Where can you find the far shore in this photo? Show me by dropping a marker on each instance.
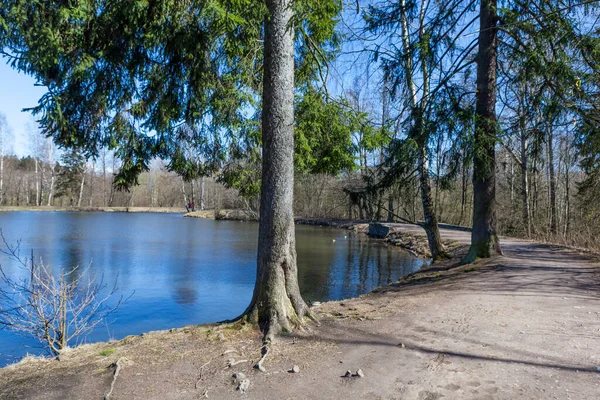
(173, 210)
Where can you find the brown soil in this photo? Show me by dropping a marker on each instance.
(525, 325)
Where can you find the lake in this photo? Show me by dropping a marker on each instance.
(185, 271)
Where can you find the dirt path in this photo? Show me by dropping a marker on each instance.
(525, 325)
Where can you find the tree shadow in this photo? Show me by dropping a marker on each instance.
(352, 336)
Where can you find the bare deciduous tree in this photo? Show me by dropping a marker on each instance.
(55, 309)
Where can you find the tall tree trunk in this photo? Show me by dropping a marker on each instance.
(534, 193)
(524, 183)
(91, 201)
(26, 190)
(277, 304)
(52, 181)
(193, 198)
(431, 224)
(463, 199)
(202, 193)
(390, 217)
(185, 198)
(104, 203)
(81, 190)
(553, 217)
(567, 189)
(419, 133)
(42, 184)
(484, 239)
(37, 184)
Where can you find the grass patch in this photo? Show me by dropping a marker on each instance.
(107, 352)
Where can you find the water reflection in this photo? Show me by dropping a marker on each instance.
(189, 271)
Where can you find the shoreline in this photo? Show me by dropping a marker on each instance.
(449, 330)
(165, 210)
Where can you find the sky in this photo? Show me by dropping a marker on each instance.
(17, 91)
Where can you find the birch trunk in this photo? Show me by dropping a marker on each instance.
(37, 184)
(202, 193)
(81, 191)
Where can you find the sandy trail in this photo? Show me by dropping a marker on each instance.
(524, 325)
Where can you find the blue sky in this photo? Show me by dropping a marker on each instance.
(17, 91)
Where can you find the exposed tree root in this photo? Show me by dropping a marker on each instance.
(265, 352)
(201, 370)
(117, 367)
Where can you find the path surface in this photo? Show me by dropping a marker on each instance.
(522, 326)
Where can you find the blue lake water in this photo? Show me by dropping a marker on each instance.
(185, 271)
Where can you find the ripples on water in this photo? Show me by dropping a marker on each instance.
(189, 271)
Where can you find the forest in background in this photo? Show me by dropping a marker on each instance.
(50, 177)
(390, 110)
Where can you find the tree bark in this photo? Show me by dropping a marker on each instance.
(81, 190)
(463, 199)
(51, 192)
(567, 189)
(91, 184)
(202, 193)
(419, 134)
(484, 239)
(553, 215)
(524, 183)
(37, 183)
(277, 304)
(431, 224)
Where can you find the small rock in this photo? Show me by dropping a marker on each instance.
(402, 345)
(360, 373)
(239, 376)
(348, 374)
(220, 337)
(598, 369)
(244, 385)
(295, 369)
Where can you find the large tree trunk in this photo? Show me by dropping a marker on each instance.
(277, 304)
(484, 239)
